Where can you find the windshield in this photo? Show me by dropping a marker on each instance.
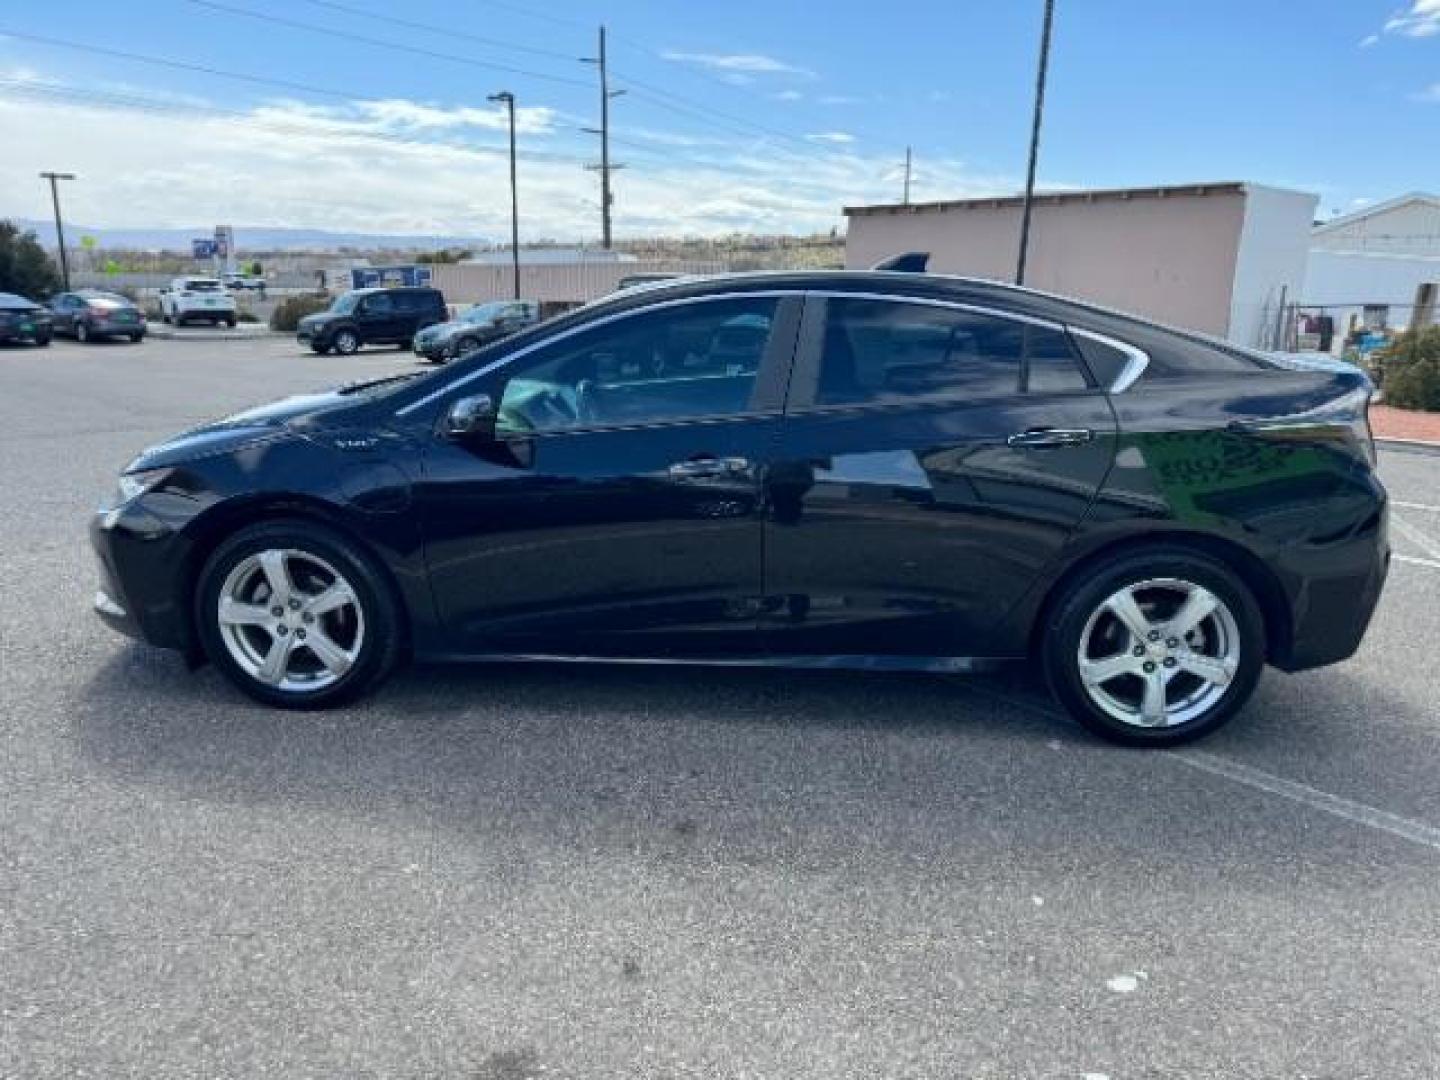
(202, 285)
(106, 300)
(484, 313)
(345, 304)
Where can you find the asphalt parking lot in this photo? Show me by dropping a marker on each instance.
(511, 872)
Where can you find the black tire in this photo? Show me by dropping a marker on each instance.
(1085, 594)
(379, 648)
(345, 341)
(230, 323)
(319, 349)
(82, 332)
(135, 339)
(164, 316)
(42, 340)
(465, 345)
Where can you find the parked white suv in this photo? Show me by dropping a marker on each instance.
(194, 299)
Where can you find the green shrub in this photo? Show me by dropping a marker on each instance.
(290, 311)
(1411, 367)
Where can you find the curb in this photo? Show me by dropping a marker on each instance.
(165, 332)
(1408, 446)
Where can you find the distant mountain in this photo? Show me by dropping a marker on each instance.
(246, 239)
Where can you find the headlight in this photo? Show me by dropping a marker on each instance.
(131, 486)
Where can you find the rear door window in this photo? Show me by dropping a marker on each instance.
(879, 352)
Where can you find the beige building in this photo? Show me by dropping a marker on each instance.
(1217, 258)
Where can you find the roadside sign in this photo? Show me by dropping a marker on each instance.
(202, 249)
(370, 277)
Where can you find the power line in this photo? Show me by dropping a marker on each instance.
(446, 31)
(415, 50)
(179, 65)
(697, 109)
(160, 106)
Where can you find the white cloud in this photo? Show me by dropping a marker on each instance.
(1420, 19)
(838, 99)
(839, 138)
(745, 63)
(1369, 40)
(410, 167)
(1430, 95)
(788, 95)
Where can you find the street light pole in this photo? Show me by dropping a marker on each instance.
(1034, 141)
(59, 227)
(509, 101)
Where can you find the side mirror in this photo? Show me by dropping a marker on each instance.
(470, 418)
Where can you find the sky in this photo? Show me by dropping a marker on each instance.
(367, 115)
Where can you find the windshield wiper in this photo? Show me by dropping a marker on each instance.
(366, 384)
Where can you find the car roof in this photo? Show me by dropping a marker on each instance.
(1176, 348)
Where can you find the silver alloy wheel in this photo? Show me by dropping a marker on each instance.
(1159, 653)
(346, 342)
(82, 333)
(290, 620)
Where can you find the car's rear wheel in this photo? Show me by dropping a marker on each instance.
(345, 342)
(466, 345)
(297, 616)
(135, 338)
(1154, 649)
(42, 339)
(82, 332)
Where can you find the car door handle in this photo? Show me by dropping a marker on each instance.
(700, 467)
(1043, 437)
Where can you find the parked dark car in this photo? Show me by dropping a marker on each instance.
(474, 327)
(89, 315)
(372, 317)
(23, 320)
(878, 471)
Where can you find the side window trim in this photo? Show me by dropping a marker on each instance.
(592, 324)
(1137, 359)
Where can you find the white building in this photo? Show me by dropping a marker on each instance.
(1378, 267)
(1221, 258)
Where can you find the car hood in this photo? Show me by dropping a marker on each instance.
(287, 418)
(320, 318)
(451, 328)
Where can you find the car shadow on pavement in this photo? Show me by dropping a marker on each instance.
(593, 756)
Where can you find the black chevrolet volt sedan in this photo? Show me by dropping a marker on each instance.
(863, 470)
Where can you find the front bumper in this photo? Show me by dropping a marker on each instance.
(137, 593)
(432, 350)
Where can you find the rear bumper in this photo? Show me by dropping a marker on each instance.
(1340, 587)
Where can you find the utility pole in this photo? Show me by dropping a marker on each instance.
(1034, 141)
(605, 168)
(906, 200)
(508, 99)
(59, 228)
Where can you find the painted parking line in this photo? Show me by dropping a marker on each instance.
(1429, 509)
(1357, 813)
(1421, 539)
(1411, 560)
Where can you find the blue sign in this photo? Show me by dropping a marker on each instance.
(202, 249)
(371, 277)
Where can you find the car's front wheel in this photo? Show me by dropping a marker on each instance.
(82, 331)
(345, 342)
(1156, 648)
(297, 616)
